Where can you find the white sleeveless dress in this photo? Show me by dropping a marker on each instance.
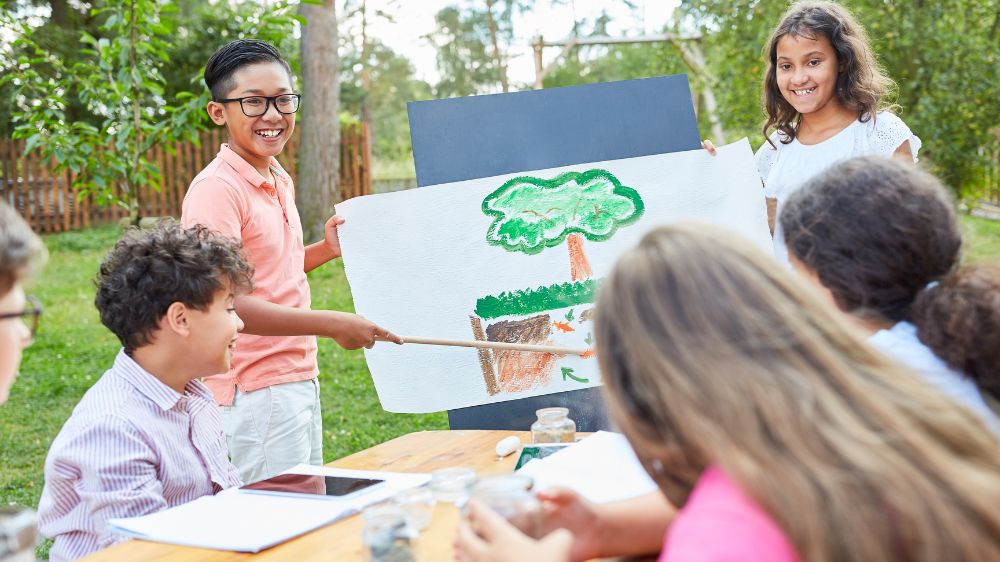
(784, 169)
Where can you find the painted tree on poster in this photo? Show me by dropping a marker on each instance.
(531, 214)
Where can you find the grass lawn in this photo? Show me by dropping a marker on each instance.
(72, 350)
(982, 239)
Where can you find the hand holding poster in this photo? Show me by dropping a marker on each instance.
(519, 258)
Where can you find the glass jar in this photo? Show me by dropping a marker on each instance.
(18, 534)
(452, 484)
(388, 534)
(510, 496)
(553, 426)
(419, 506)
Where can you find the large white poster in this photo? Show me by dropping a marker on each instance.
(519, 258)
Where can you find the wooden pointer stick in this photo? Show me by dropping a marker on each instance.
(496, 345)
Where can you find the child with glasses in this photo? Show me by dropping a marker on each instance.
(269, 398)
(147, 435)
(21, 253)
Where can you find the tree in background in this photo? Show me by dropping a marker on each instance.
(198, 29)
(392, 84)
(59, 36)
(118, 81)
(356, 14)
(464, 61)
(499, 16)
(319, 153)
(138, 82)
(376, 82)
(473, 41)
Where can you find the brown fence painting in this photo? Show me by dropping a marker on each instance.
(46, 200)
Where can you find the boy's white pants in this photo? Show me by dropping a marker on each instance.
(273, 429)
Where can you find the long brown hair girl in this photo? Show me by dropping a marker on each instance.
(710, 355)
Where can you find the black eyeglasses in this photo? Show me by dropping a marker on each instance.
(255, 106)
(31, 315)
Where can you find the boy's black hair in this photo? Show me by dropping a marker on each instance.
(148, 270)
(234, 56)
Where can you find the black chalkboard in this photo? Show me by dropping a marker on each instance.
(465, 138)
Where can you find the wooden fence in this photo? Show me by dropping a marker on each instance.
(45, 198)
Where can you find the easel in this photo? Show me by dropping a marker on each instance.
(480, 136)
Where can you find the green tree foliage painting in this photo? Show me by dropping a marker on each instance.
(531, 214)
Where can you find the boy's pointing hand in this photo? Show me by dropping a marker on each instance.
(352, 331)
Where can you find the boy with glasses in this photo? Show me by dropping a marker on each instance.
(269, 399)
(147, 435)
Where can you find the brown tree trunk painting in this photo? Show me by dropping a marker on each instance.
(579, 267)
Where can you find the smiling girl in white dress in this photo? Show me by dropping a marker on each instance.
(824, 94)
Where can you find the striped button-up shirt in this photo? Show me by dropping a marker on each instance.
(132, 446)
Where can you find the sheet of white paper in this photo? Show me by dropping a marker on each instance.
(244, 522)
(237, 522)
(602, 468)
(459, 261)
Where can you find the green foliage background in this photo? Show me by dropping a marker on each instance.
(943, 55)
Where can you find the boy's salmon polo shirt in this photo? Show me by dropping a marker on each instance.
(231, 197)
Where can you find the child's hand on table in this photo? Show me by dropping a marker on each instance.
(487, 537)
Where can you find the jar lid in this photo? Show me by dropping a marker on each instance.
(451, 484)
(552, 413)
(383, 513)
(503, 484)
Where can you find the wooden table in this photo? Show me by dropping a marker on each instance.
(417, 452)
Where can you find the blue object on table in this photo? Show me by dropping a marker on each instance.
(480, 136)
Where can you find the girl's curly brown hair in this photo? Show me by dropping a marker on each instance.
(861, 83)
(883, 237)
(959, 319)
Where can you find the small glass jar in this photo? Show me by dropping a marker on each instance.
(452, 484)
(18, 534)
(388, 535)
(510, 496)
(553, 426)
(418, 503)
